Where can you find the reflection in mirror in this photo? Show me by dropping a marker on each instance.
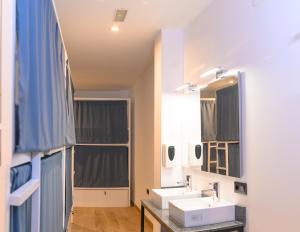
(220, 127)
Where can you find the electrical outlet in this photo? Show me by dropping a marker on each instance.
(240, 188)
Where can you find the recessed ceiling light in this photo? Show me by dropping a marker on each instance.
(120, 15)
(115, 28)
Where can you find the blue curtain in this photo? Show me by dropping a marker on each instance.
(70, 130)
(101, 122)
(52, 194)
(41, 98)
(20, 217)
(69, 200)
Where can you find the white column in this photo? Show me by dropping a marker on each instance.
(8, 35)
(172, 76)
(36, 197)
(169, 74)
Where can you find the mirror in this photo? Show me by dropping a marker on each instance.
(220, 127)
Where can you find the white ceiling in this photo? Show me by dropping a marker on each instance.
(101, 59)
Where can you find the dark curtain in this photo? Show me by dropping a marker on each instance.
(208, 121)
(70, 129)
(213, 157)
(228, 114)
(20, 217)
(97, 166)
(234, 160)
(52, 194)
(69, 199)
(101, 122)
(40, 83)
(205, 157)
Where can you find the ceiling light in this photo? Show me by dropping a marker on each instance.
(213, 71)
(120, 15)
(229, 73)
(115, 28)
(182, 87)
(199, 87)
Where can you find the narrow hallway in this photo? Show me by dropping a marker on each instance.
(125, 219)
(149, 116)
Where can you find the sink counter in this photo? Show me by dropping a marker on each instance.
(162, 216)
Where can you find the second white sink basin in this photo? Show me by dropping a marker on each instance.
(201, 211)
(161, 197)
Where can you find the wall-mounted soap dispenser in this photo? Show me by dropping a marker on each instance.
(195, 154)
(168, 156)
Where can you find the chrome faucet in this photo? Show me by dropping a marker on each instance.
(213, 191)
(187, 183)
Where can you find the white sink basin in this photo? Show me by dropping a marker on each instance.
(161, 197)
(201, 211)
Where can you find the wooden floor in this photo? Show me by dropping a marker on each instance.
(107, 220)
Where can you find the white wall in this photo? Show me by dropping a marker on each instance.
(143, 142)
(171, 50)
(132, 161)
(157, 111)
(7, 84)
(190, 127)
(261, 38)
(146, 138)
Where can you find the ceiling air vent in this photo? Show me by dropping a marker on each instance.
(120, 15)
